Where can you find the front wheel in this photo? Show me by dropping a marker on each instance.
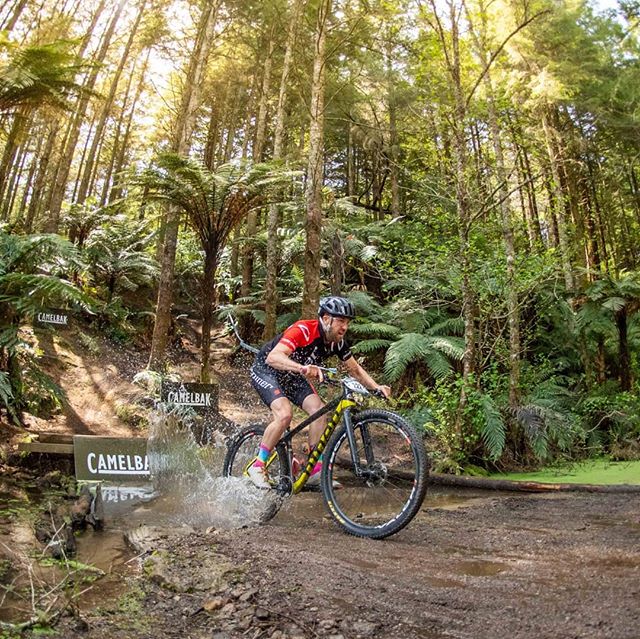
(392, 484)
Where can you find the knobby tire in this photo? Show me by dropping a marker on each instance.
(242, 448)
(409, 476)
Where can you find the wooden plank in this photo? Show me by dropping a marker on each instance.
(42, 447)
(55, 438)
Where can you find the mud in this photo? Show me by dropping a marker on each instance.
(565, 565)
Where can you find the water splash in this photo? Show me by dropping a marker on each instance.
(186, 469)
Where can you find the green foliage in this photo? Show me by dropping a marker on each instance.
(6, 392)
(117, 256)
(494, 430)
(395, 329)
(42, 75)
(32, 270)
(413, 347)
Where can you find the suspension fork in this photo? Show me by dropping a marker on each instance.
(366, 441)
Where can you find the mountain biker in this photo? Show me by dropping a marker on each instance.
(284, 368)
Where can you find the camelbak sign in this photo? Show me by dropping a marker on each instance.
(110, 458)
(202, 396)
(55, 318)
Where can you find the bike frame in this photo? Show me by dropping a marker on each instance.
(341, 407)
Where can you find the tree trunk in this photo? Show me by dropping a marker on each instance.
(251, 227)
(43, 170)
(337, 266)
(91, 159)
(460, 154)
(12, 18)
(351, 165)
(513, 308)
(393, 159)
(117, 163)
(64, 166)
(8, 163)
(555, 160)
(208, 293)
(312, 254)
(273, 220)
(624, 359)
(28, 187)
(180, 143)
(14, 183)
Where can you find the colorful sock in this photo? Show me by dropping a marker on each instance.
(263, 455)
(318, 467)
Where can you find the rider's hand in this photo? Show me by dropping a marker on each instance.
(312, 372)
(385, 390)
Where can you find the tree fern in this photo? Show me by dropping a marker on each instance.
(543, 423)
(365, 304)
(28, 293)
(42, 75)
(377, 329)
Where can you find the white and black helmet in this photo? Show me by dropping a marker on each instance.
(336, 307)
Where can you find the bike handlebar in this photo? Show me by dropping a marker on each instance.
(349, 383)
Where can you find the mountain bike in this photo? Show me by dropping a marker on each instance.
(375, 467)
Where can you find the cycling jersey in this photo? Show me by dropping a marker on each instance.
(306, 341)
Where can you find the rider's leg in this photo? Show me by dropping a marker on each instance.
(310, 405)
(281, 413)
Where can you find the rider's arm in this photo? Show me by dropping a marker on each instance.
(279, 358)
(355, 370)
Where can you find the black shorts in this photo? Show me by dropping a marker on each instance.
(272, 384)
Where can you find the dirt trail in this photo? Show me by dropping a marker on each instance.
(523, 567)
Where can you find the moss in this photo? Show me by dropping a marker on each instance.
(601, 471)
(130, 414)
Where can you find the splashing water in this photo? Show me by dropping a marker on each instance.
(188, 477)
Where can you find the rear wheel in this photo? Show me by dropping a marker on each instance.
(241, 453)
(393, 483)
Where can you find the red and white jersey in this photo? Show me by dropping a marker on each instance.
(306, 341)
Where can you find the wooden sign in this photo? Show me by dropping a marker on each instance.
(110, 458)
(52, 318)
(198, 396)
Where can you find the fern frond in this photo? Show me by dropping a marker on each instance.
(614, 303)
(370, 345)
(6, 392)
(377, 329)
(450, 326)
(285, 320)
(29, 293)
(365, 304)
(453, 347)
(437, 364)
(494, 430)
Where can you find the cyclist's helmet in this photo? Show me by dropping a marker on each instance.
(336, 307)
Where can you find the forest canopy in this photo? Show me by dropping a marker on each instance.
(465, 171)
